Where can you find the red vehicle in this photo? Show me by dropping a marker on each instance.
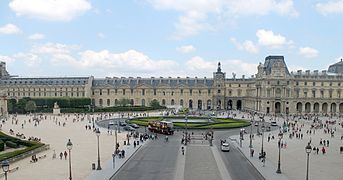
(162, 127)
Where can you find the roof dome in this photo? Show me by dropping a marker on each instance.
(336, 68)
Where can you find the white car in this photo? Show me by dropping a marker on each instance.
(111, 123)
(225, 147)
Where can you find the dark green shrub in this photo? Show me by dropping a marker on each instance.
(11, 144)
(2, 145)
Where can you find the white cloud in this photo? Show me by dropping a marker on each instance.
(247, 46)
(101, 35)
(6, 59)
(308, 52)
(29, 59)
(36, 36)
(53, 48)
(186, 49)
(330, 7)
(51, 10)
(339, 58)
(194, 14)
(268, 38)
(198, 64)
(9, 29)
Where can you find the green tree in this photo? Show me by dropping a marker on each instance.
(123, 102)
(21, 104)
(154, 104)
(30, 106)
(11, 105)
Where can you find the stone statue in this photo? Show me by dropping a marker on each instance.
(56, 110)
(56, 105)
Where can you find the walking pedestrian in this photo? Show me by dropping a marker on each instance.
(61, 155)
(65, 155)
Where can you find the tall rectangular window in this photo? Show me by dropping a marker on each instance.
(155, 92)
(143, 92)
(123, 91)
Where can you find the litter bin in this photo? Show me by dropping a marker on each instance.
(93, 166)
(124, 143)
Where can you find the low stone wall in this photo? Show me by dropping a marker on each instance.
(29, 153)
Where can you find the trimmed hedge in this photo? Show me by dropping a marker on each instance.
(127, 108)
(2, 145)
(11, 144)
(6, 138)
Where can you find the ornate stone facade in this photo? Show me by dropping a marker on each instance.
(272, 90)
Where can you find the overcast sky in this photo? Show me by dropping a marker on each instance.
(166, 37)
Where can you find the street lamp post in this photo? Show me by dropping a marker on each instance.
(69, 147)
(5, 167)
(308, 149)
(251, 124)
(279, 162)
(116, 135)
(186, 138)
(97, 132)
(262, 128)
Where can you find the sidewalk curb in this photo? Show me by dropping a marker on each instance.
(239, 149)
(128, 159)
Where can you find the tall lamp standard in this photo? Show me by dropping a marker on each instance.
(279, 162)
(69, 147)
(186, 138)
(5, 167)
(97, 132)
(262, 128)
(308, 149)
(251, 124)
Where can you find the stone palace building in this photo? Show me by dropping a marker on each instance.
(272, 90)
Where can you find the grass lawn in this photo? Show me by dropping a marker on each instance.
(218, 123)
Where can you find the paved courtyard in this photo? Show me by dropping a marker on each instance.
(84, 151)
(293, 156)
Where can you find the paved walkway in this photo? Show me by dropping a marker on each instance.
(293, 156)
(52, 131)
(112, 166)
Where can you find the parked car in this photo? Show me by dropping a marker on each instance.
(121, 123)
(134, 125)
(273, 123)
(256, 124)
(111, 123)
(129, 128)
(225, 147)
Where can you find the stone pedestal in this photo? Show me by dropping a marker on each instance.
(56, 111)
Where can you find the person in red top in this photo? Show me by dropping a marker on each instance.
(323, 150)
